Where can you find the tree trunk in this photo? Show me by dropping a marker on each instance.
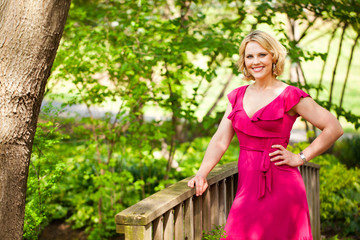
(30, 33)
(220, 96)
(335, 67)
(325, 62)
(348, 71)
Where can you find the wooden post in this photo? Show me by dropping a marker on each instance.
(179, 222)
(310, 175)
(137, 232)
(317, 225)
(206, 213)
(198, 217)
(169, 225)
(158, 228)
(189, 219)
(222, 202)
(229, 193)
(214, 191)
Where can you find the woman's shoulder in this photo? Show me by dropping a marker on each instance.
(293, 90)
(235, 93)
(240, 88)
(237, 90)
(293, 95)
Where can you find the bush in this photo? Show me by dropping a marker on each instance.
(215, 234)
(348, 151)
(339, 195)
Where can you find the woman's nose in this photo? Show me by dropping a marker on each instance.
(256, 60)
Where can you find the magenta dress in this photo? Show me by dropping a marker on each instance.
(270, 201)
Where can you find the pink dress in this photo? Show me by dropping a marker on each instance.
(270, 201)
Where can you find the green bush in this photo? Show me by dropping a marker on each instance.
(215, 234)
(339, 195)
(43, 178)
(348, 151)
(189, 156)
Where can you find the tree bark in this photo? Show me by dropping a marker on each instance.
(325, 62)
(348, 71)
(30, 33)
(335, 67)
(220, 96)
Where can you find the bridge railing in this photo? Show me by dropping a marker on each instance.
(176, 213)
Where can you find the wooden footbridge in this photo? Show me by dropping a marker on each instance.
(176, 213)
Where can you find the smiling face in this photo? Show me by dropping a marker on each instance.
(258, 61)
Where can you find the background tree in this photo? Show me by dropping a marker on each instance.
(157, 70)
(30, 32)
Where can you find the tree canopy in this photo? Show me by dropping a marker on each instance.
(161, 69)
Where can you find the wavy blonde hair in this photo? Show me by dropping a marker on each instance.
(270, 44)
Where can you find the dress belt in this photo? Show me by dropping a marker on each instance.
(265, 170)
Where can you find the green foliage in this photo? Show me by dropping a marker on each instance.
(215, 234)
(339, 195)
(44, 175)
(134, 55)
(348, 151)
(190, 155)
(137, 57)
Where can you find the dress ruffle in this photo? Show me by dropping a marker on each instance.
(293, 97)
(265, 121)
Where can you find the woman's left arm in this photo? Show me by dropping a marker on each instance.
(320, 118)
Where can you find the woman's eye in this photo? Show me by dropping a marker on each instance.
(263, 55)
(249, 56)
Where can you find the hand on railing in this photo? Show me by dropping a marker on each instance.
(200, 183)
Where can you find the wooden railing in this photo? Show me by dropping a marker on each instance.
(176, 213)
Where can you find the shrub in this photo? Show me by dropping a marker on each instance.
(215, 234)
(348, 151)
(339, 196)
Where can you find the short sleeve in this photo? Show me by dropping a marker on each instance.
(293, 97)
(232, 96)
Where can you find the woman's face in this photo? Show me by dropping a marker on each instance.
(258, 61)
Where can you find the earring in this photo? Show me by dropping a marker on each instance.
(274, 68)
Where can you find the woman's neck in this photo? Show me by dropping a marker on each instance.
(266, 83)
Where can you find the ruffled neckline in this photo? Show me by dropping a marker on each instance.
(260, 114)
(267, 121)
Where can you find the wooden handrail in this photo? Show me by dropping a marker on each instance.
(176, 213)
(145, 211)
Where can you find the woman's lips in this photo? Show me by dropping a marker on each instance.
(257, 69)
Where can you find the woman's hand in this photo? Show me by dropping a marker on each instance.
(285, 157)
(200, 184)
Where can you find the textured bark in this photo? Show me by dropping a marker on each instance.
(30, 33)
(336, 64)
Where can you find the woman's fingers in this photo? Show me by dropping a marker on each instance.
(274, 153)
(281, 163)
(278, 157)
(281, 147)
(200, 184)
(283, 157)
(191, 183)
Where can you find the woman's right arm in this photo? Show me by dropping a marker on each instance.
(217, 147)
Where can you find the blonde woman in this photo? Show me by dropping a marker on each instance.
(270, 202)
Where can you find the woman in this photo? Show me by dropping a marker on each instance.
(270, 201)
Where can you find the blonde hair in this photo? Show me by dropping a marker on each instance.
(270, 44)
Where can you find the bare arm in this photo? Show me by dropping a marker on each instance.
(217, 147)
(320, 118)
